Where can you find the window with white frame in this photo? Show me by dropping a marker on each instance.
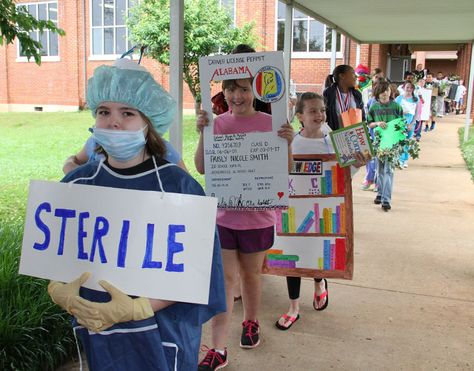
(43, 11)
(309, 35)
(109, 33)
(229, 5)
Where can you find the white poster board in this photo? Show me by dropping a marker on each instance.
(247, 170)
(426, 106)
(146, 243)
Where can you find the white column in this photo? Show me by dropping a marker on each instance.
(333, 49)
(288, 43)
(469, 95)
(176, 70)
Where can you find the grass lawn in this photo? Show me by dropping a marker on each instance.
(35, 145)
(467, 149)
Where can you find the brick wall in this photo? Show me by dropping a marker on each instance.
(463, 66)
(63, 82)
(4, 98)
(52, 82)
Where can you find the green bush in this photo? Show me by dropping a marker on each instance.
(35, 334)
(467, 149)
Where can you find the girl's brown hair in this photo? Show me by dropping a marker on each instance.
(233, 84)
(303, 98)
(415, 98)
(381, 87)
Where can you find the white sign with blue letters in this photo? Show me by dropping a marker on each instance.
(146, 243)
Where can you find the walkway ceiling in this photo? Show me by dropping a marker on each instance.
(395, 21)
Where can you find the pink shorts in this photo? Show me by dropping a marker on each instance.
(246, 241)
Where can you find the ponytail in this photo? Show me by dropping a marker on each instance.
(329, 81)
(334, 77)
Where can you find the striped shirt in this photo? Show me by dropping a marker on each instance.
(384, 112)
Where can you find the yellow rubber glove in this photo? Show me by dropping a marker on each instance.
(62, 293)
(121, 308)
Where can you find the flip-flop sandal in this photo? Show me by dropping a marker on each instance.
(288, 319)
(319, 298)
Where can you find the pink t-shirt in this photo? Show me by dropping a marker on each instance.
(229, 124)
(241, 219)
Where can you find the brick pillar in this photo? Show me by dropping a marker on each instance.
(420, 58)
(3, 75)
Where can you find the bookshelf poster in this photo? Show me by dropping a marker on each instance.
(314, 236)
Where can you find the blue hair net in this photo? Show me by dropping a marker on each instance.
(129, 83)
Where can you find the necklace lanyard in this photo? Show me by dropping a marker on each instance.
(327, 145)
(344, 106)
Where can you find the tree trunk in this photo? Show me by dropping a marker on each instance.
(197, 106)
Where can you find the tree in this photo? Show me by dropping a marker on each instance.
(208, 29)
(17, 22)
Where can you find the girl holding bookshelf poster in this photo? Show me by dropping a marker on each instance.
(312, 139)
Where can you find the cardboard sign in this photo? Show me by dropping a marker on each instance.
(426, 106)
(351, 116)
(314, 237)
(393, 134)
(152, 244)
(348, 141)
(247, 170)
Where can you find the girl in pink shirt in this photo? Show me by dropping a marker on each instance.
(244, 235)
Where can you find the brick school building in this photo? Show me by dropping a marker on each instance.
(96, 33)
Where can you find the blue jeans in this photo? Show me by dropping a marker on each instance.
(384, 180)
(370, 167)
(418, 129)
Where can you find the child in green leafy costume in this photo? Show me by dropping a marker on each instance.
(382, 112)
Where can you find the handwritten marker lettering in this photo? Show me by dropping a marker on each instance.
(45, 206)
(100, 226)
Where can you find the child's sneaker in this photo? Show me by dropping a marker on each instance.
(386, 206)
(366, 185)
(213, 361)
(250, 338)
(376, 188)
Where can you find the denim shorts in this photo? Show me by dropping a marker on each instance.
(246, 241)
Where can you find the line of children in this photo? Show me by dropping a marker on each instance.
(244, 235)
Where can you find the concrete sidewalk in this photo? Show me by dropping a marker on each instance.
(411, 303)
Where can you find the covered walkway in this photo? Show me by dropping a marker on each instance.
(411, 303)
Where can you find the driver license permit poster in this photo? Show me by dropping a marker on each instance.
(246, 170)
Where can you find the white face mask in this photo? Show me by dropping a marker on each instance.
(122, 145)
